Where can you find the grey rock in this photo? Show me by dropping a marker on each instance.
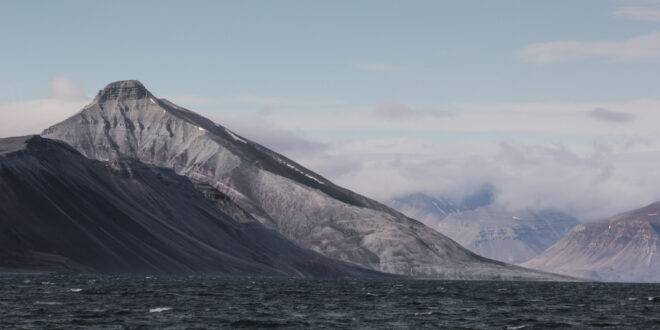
(623, 248)
(60, 211)
(126, 120)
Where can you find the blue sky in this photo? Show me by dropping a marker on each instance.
(553, 102)
(422, 53)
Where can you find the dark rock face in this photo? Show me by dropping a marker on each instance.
(624, 248)
(60, 211)
(126, 121)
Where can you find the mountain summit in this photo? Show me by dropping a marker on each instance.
(126, 120)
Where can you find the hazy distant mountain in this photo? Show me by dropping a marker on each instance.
(60, 211)
(512, 237)
(432, 210)
(625, 248)
(127, 120)
(424, 208)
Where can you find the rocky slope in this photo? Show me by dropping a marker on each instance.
(60, 211)
(126, 120)
(622, 248)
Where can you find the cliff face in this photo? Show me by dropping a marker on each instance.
(126, 120)
(622, 248)
(60, 211)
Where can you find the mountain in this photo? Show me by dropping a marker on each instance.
(60, 211)
(432, 210)
(513, 237)
(485, 229)
(126, 120)
(429, 210)
(623, 248)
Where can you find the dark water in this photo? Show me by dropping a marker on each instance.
(66, 301)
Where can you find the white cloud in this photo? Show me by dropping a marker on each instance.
(398, 111)
(32, 116)
(532, 118)
(609, 115)
(189, 100)
(377, 66)
(284, 101)
(586, 167)
(603, 180)
(265, 132)
(638, 13)
(640, 48)
(63, 87)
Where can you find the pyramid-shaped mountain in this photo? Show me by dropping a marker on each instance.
(126, 120)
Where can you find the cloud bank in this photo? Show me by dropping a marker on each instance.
(32, 116)
(638, 14)
(640, 48)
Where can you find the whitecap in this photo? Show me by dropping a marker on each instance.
(47, 303)
(47, 283)
(75, 290)
(159, 309)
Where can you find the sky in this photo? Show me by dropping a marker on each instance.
(554, 103)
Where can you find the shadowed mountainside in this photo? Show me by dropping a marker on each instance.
(60, 211)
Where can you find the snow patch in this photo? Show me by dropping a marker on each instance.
(234, 136)
(299, 171)
(152, 100)
(439, 208)
(201, 129)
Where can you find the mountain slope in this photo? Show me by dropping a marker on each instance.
(61, 211)
(622, 248)
(126, 120)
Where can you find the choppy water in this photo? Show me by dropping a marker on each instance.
(70, 301)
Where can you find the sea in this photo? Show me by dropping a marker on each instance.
(119, 302)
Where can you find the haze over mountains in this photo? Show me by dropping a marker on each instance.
(486, 229)
(126, 120)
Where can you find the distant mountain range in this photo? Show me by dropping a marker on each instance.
(485, 229)
(126, 121)
(624, 248)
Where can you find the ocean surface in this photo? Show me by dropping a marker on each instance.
(90, 301)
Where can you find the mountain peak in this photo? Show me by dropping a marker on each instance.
(123, 89)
